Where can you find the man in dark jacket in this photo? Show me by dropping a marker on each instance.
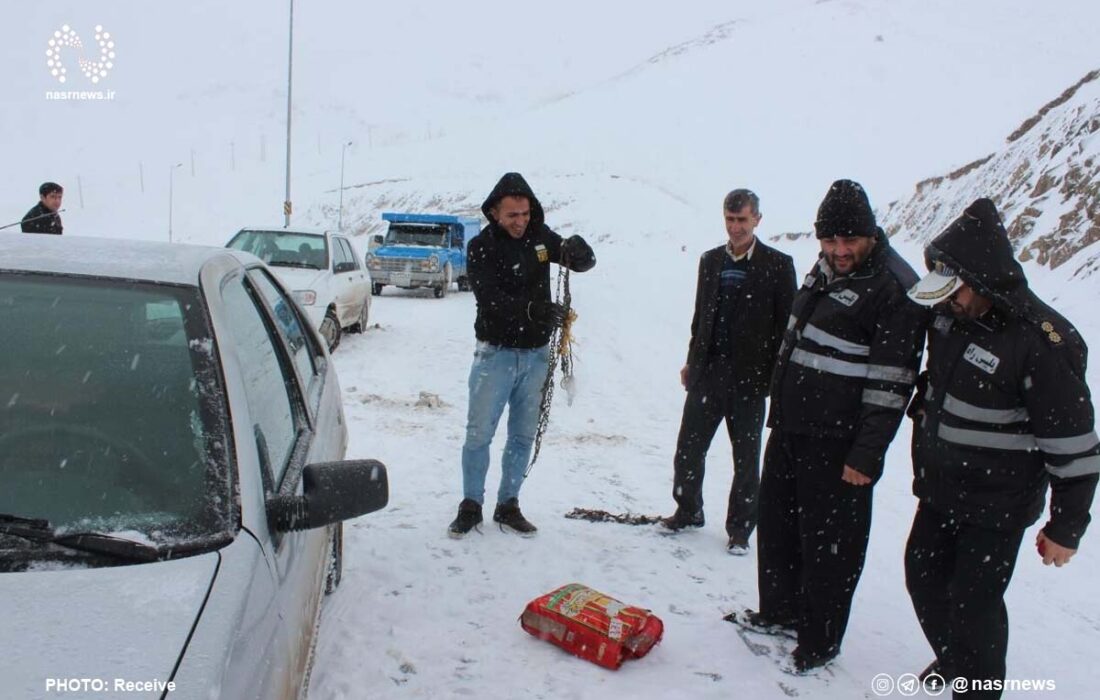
(1001, 412)
(43, 217)
(508, 264)
(845, 372)
(742, 301)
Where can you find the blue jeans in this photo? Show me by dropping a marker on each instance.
(502, 377)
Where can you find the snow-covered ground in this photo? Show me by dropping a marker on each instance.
(420, 615)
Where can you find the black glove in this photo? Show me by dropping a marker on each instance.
(577, 255)
(546, 312)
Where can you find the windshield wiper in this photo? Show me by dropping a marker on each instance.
(38, 530)
(288, 263)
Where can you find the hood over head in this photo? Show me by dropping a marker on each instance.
(973, 249)
(513, 185)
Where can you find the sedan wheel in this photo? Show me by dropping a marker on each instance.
(360, 326)
(330, 330)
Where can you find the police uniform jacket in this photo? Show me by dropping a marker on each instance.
(850, 356)
(1003, 409)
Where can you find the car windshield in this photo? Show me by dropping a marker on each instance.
(434, 235)
(111, 417)
(284, 248)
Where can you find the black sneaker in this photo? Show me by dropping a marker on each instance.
(469, 517)
(679, 520)
(762, 624)
(509, 515)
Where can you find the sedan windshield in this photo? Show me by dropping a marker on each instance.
(284, 248)
(111, 419)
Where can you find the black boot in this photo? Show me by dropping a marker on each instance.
(509, 515)
(469, 517)
(682, 519)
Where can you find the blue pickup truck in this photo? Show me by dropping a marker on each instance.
(421, 250)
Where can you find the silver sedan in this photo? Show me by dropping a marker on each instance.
(171, 460)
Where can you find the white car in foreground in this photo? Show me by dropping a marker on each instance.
(322, 270)
(173, 484)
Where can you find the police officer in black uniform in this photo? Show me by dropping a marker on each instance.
(1002, 412)
(845, 372)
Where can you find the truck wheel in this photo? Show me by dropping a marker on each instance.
(330, 330)
(464, 284)
(445, 285)
(376, 289)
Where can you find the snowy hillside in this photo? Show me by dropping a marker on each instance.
(1045, 180)
(695, 98)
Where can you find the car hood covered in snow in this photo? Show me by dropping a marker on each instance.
(123, 622)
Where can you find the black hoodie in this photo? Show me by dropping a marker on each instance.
(508, 274)
(41, 219)
(1003, 408)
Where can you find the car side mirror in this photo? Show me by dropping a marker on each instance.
(375, 242)
(344, 267)
(332, 492)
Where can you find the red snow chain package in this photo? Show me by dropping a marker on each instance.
(591, 625)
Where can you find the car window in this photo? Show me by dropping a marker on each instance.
(290, 326)
(266, 379)
(349, 252)
(339, 253)
(113, 415)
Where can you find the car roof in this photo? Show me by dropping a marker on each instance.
(292, 229)
(171, 263)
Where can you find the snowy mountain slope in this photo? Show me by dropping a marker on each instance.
(1045, 180)
(784, 96)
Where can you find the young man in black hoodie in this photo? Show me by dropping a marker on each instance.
(1001, 412)
(844, 375)
(508, 264)
(43, 217)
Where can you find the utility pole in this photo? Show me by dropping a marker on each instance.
(171, 177)
(340, 217)
(287, 207)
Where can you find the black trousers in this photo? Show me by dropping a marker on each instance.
(813, 537)
(957, 575)
(713, 399)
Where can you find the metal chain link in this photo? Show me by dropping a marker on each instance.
(561, 342)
